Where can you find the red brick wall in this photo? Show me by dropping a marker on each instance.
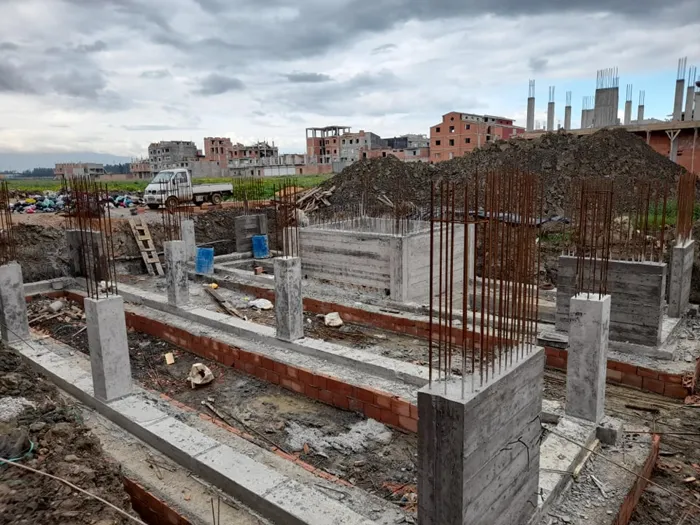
(627, 509)
(669, 385)
(151, 509)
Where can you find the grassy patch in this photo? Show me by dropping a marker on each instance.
(134, 186)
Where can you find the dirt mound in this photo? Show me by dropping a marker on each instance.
(60, 445)
(557, 157)
(41, 251)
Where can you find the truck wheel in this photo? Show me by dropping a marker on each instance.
(154, 206)
(171, 204)
(216, 198)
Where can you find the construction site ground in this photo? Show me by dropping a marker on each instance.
(381, 460)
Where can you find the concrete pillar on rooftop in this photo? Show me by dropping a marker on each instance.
(640, 113)
(550, 116)
(478, 453)
(13, 306)
(109, 348)
(176, 276)
(567, 118)
(628, 112)
(681, 273)
(289, 306)
(678, 99)
(530, 122)
(187, 236)
(589, 329)
(689, 100)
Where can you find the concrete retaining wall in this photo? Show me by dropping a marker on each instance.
(370, 256)
(245, 227)
(637, 292)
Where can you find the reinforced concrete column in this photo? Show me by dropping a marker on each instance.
(628, 112)
(589, 330)
(478, 452)
(550, 116)
(681, 274)
(567, 118)
(696, 115)
(678, 98)
(109, 348)
(530, 120)
(187, 236)
(289, 306)
(13, 306)
(640, 113)
(176, 277)
(689, 99)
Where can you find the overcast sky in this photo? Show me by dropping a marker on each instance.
(114, 75)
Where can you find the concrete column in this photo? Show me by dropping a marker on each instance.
(628, 112)
(550, 116)
(696, 115)
(681, 273)
(672, 136)
(109, 348)
(589, 329)
(289, 306)
(678, 99)
(187, 236)
(567, 118)
(176, 277)
(73, 242)
(640, 113)
(478, 453)
(530, 121)
(689, 99)
(13, 306)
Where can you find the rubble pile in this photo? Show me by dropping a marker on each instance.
(557, 157)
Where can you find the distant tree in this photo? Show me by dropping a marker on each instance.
(38, 172)
(117, 168)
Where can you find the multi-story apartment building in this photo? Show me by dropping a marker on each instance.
(461, 133)
(353, 145)
(222, 150)
(323, 144)
(79, 169)
(410, 141)
(172, 154)
(140, 169)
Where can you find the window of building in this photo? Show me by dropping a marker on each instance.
(467, 126)
(467, 140)
(167, 150)
(357, 141)
(437, 130)
(452, 129)
(452, 142)
(437, 142)
(343, 141)
(335, 151)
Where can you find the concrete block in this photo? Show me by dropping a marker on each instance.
(245, 226)
(679, 282)
(609, 430)
(289, 306)
(588, 354)
(109, 349)
(13, 306)
(188, 237)
(176, 278)
(478, 453)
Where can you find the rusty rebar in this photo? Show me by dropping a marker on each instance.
(686, 207)
(249, 194)
(7, 240)
(287, 216)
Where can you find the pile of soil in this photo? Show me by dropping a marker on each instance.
(41, 251)
(63, 447)
(558, 157)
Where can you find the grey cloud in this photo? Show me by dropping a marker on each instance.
(155, 127)
(155, 73)
(95, 47)
(78, 84)
(216, 84)
(538, 64)
(308, 78)
(383, 48)
(13, 81)
(8, 46)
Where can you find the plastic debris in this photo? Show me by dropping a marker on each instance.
(261, 304)
(200, 375)
(333, 319)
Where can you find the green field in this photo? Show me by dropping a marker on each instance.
(128, 186)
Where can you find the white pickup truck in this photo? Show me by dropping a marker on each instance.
(174, 186)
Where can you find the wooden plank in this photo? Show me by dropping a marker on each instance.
(226, 305)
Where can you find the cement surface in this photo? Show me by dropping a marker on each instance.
(181, 436)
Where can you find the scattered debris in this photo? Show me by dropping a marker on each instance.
(225, 304)
(356, 439)
(200, 375)
(169, 358)
(11, 407)
(333, 319)
(56, 306)
(261, 304)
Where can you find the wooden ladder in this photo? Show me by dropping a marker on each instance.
(145, 244)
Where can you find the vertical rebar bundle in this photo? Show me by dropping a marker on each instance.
(531, 89)
(568, 98)
(686, 207)
(7, 240)
(642, 96)
(592, 234)
(629, 93)
(682, 63)
(607, 78)
(499, 212)
(90, 215)
(249, 194)
(177, 208)
(287, 217)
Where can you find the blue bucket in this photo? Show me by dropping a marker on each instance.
(204, 262)
(260, 247)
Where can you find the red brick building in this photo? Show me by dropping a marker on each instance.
(323, 144)
(221, 150)
(460, 133)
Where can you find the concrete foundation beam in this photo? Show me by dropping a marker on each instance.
(109, 349)
(13, 306)
(681, 274)
(478, 453)
(289, 305)
(176, 278)
(187, 236)
(588, 356)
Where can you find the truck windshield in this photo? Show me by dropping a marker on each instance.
(163, 176)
